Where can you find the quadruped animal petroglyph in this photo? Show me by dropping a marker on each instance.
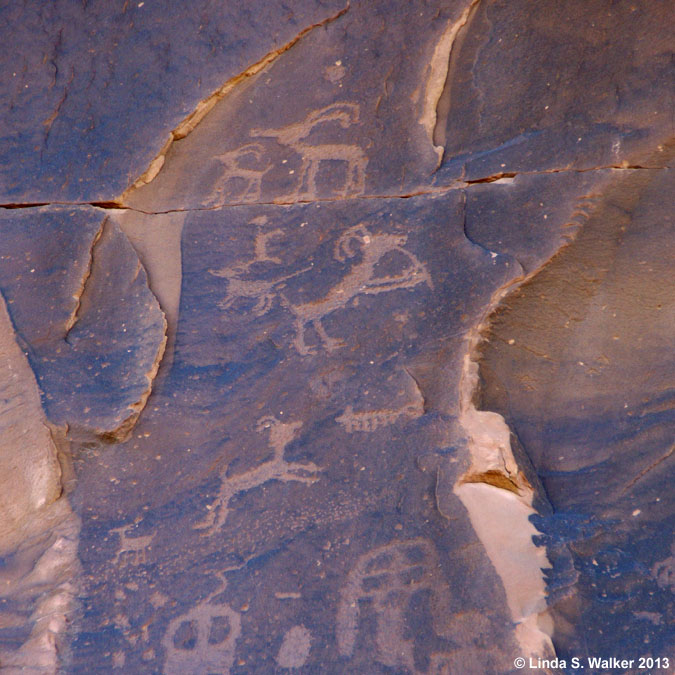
(361, 279)
(132, 550)
(297, 137)
(242, 169)
(277, 468)
(371, 420)
(261, 290)
(357, 246)
(242, 173)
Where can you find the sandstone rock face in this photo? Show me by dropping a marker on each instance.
(336, 337)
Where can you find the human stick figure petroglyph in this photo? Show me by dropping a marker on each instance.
(203, 639)
(277, 468)
(295, 136)
(360, 280)
(388, 577)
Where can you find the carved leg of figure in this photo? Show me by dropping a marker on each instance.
(216, 514)
(263, 305)
(331, 344)
(357, 178)
(227, 303)
(307, 187)
(312, 171)
(300, 345)
(253, 190)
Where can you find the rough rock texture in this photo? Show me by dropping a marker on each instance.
(38, 530)
(601, 315)
(351, 326)
(79, 300)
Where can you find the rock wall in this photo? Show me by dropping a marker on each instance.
(336, 336)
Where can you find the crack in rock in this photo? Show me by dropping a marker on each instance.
(72, 320)
(451, 41)
(437, 81)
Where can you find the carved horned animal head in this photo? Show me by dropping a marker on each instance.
(347, 246)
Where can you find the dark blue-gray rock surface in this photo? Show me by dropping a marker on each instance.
(248, 251)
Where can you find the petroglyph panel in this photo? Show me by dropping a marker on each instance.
(323, 201)
(242, 170)
(346, 137)
(261, 480)
(369, 262)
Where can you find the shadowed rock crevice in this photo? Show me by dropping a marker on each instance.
(114, 288)
(503, 178)
(434, 117)
(77, 296)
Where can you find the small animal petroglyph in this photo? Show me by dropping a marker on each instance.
(262, 291)
(203, 639)
(240, 174)
(370, 420)
(295, 136)
(361, 279)
(388, 577)
(132, 550)
(280, 435)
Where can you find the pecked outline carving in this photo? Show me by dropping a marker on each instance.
(132, 550)
(360, 280)
(263, 291)
(371, 420)
(389, 576)
(207, 654)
